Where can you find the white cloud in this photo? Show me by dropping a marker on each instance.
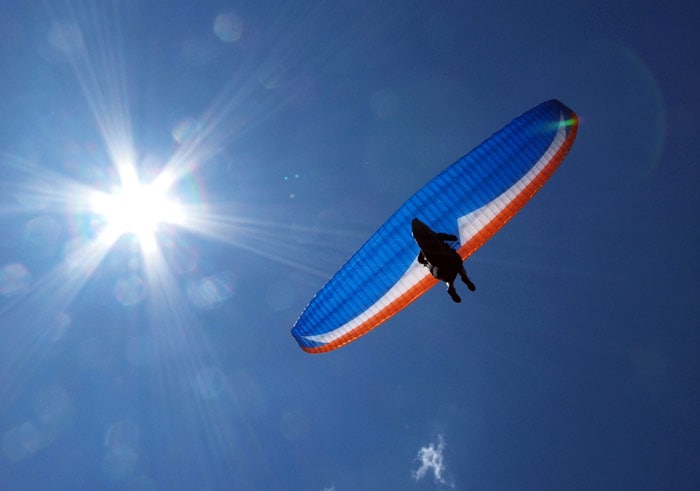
(431, 460)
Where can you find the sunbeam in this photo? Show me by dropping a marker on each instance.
(114, 196)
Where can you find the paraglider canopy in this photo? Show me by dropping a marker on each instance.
(472, 199)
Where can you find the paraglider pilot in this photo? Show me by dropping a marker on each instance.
(442, 260)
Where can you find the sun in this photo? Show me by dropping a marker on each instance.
(137, 208)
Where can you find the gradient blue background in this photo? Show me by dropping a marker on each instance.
(573, 366)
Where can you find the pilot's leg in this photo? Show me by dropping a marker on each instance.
(453, 293)
(466, 280)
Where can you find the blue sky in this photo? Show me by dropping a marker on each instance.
(286, 133)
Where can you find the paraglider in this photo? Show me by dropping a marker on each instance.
(469, 201)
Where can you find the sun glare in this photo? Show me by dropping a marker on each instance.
(136, 209)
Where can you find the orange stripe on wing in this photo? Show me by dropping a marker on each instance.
(392, 308)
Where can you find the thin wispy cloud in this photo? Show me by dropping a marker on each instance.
(431, 460)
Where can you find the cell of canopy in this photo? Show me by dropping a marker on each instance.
(472, 199)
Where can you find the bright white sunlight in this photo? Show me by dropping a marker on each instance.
(137, 208)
